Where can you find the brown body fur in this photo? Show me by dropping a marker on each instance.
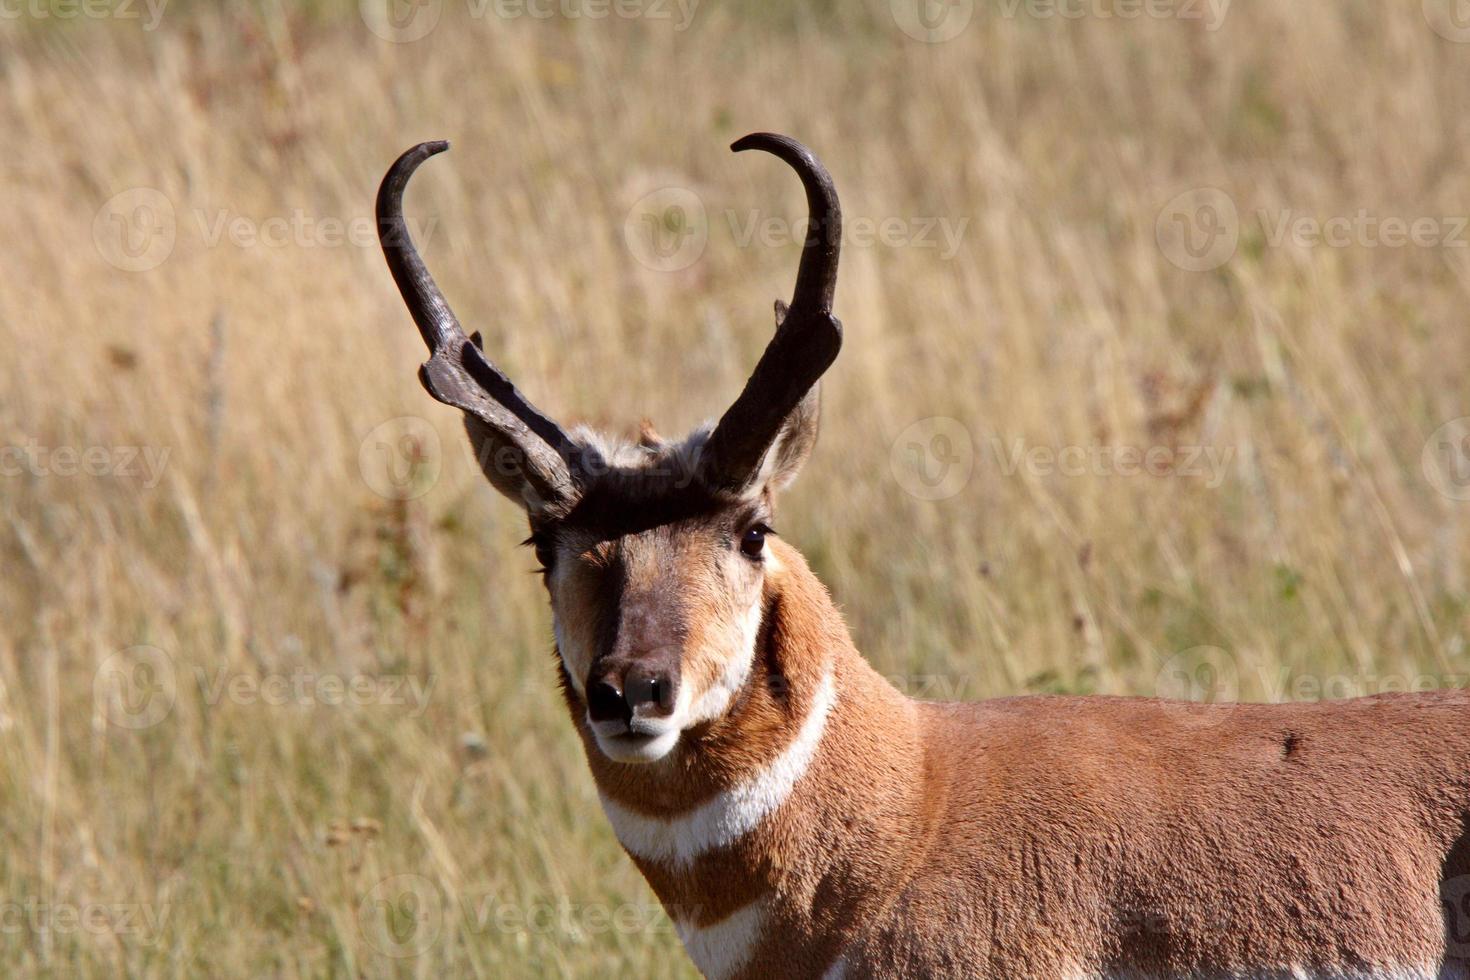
(1058, 837)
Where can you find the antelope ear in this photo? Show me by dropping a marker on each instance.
(789, 453)
(503, 461)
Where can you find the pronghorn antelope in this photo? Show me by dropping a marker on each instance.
(798, 816)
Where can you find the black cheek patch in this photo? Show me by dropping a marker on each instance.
(608, 600)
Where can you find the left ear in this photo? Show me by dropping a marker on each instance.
(798, 435)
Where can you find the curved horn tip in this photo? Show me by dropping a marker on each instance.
(409, 160)
(420, 152)
(771, 143)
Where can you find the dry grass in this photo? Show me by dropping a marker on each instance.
(218, 841)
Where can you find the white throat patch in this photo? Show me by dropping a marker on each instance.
(720, 950)
(734, 812)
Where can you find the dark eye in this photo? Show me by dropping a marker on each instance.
(545, 552)
(754, 541)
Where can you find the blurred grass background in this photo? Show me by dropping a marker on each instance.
(447, 826)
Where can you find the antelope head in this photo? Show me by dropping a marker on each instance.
(654, 554)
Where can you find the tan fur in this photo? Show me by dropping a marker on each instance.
(1059, 837)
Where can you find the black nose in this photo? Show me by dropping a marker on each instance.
(615, 692)
(648, 689)
(605, 702)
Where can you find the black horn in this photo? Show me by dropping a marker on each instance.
(514, 437)
(807, 338)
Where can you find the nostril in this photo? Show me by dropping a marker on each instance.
(641, 691)
(605, 702)
(650, 690)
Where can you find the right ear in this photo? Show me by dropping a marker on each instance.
(523, 452)
(798, 436)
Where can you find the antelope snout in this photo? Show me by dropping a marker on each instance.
(620, 691)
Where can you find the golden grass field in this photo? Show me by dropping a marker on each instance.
(261, 716)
